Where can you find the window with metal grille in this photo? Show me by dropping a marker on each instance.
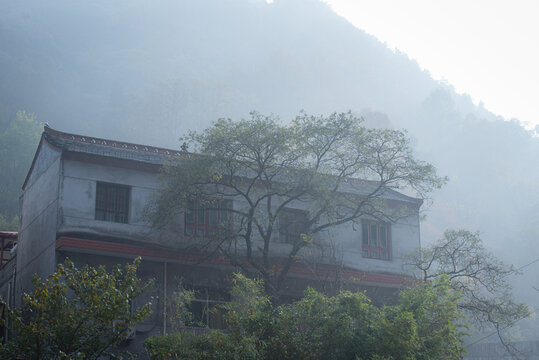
(201, 221)
(112, 202)
(376, 240)
(292, 223)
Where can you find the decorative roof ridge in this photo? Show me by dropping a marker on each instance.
(114, 144)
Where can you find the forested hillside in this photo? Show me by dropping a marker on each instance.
(149, 71)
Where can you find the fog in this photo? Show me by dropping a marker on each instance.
(148, 71)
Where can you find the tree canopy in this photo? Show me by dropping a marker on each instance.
(333, 168)
(75, 313)
(18, 142)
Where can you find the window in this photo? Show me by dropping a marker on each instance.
(201, 221)
(112, 202)
(292, 223)
(208, 313)
(376, 240)
(207, 310)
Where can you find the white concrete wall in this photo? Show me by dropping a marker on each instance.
(77, 209)
(39, 216)
(77, 200)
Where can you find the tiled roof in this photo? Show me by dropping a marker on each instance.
(107, 147)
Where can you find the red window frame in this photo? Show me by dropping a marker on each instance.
(112, 202)
(376, 240)
(206, 222)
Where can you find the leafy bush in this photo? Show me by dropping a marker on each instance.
(172, 346)
(213, 345)
(426, 324)
(76, 313)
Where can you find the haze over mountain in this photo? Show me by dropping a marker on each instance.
(148, 72)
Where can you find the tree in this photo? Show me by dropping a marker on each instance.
(76, 313)
(266, 166)
(479, 276)
(426, 324)
(18, 142)
(12, 225)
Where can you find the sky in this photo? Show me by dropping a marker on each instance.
(487, 49)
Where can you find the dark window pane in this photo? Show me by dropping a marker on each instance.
(365, 235)
(112, 202)
(213, 217)
(223, 217)
(374, 235)
(201, 219)
(217, 317)
(189, 216)
(383, 238)
(197, 310)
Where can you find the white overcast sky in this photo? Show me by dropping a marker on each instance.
(486, 48)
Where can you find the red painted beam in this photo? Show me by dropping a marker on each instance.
(137, 250)
(8, 234)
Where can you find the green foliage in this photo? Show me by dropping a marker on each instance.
(213, 345)
(6, 225)
(76, 313)
(316, 327)
(172, 346)
(434, 305)
(179, 315)
(426, 324)
(18, 142)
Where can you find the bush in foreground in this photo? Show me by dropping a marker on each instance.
(426, 324)
(76, 313)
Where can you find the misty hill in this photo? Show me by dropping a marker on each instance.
(89, 65)
(148, 71)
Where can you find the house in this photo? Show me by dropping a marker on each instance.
(84, 198)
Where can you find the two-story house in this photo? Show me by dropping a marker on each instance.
(84, 198)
